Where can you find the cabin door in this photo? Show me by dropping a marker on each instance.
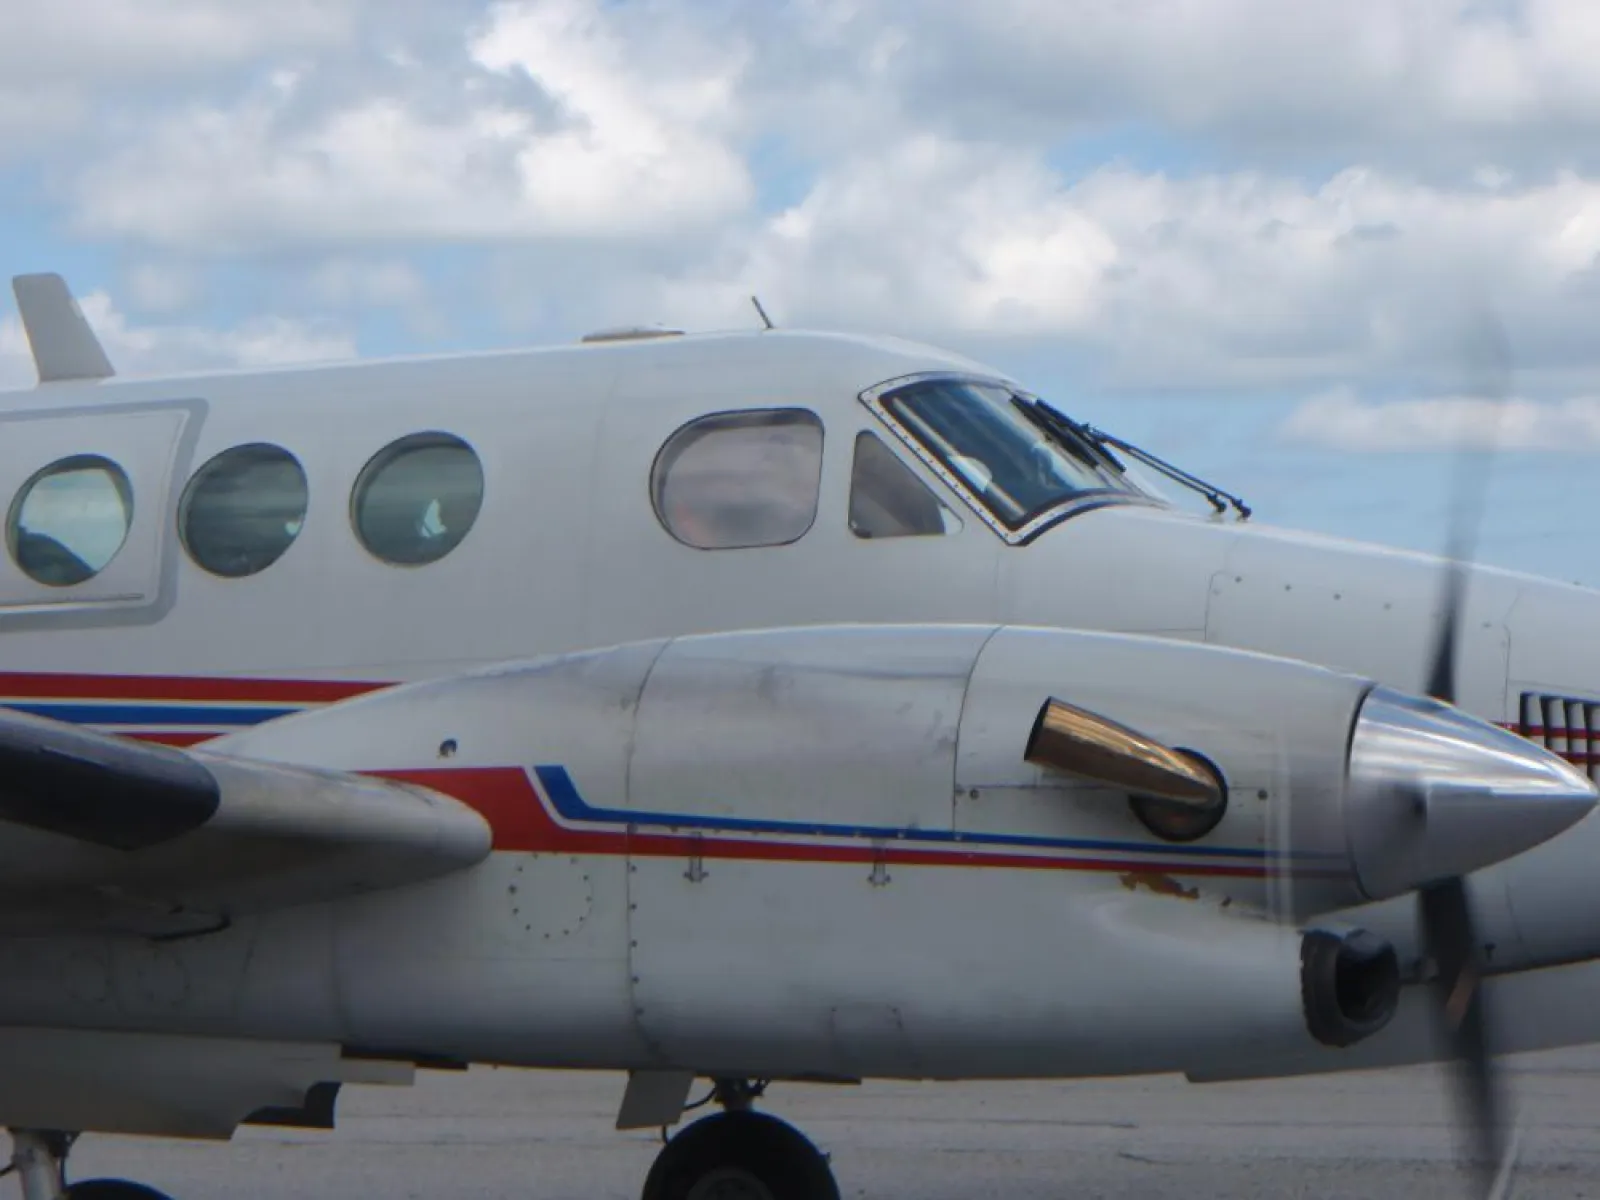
(89, 505)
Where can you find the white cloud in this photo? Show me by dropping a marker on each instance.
(899, 164)
(159, 349)
(1339, 420)
(1426, 81)
(1454, 80)
(646, 115)
(556, 127)
(61, 59)
(162, 287)
(350, 283)
(1238, 278)
(927, 235)
(107, 40)
(32, 117)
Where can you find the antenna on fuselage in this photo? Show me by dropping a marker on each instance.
(63, 343)
(765, 320)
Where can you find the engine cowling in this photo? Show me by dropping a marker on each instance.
(906, 746)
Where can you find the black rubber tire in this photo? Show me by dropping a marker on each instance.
(776, 1154)
(112, 1189)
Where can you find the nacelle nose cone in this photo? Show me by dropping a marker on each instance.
(1435, 793)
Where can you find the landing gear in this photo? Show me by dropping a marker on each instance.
(112, 1189)
(740, 1154)
(39, 1159)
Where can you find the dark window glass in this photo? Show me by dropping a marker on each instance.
(984, 438)
(887, 500)
(243, 509)
(418, 498)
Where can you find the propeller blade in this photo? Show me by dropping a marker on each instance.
(1488, 358)
(1500, 1185)
(1450, 937)
(1442, 671)
(1444, 909)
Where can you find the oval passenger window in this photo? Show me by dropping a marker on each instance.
(68, 521)
(243, 510)
(417, 499)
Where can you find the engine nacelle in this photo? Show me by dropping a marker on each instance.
(1338, 791)
(901, 747)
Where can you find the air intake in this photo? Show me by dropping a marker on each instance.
(1564, 725)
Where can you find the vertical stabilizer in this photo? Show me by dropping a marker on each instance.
(64, 346)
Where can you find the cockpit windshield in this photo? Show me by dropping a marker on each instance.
(1019, 458)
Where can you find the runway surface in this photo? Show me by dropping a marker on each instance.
(545, 1136)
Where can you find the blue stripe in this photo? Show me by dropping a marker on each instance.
(563, 794)
(94, 713)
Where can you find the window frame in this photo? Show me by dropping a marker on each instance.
(1036, 523)
(810, 416)
(386, 456)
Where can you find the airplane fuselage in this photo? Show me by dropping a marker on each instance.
(568, 552)
(536, 956)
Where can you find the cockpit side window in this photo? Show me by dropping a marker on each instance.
(888, 501)
(740, 479)
(989, 441)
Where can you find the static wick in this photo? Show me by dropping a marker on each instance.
(765, 320)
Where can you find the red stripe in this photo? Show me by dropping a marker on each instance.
(506, 797)
(32, 686)
(509, 802)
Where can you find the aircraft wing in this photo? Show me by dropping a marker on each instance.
(106, 834)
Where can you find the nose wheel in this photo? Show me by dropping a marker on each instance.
(740, 1155)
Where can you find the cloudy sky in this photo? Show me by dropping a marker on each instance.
(1297, 246)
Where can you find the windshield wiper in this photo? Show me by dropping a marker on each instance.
(1068, 434)
(1177, 474)
(1073, 435)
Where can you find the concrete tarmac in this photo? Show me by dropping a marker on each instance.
(546, 1136)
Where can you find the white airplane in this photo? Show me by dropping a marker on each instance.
(756, 707)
